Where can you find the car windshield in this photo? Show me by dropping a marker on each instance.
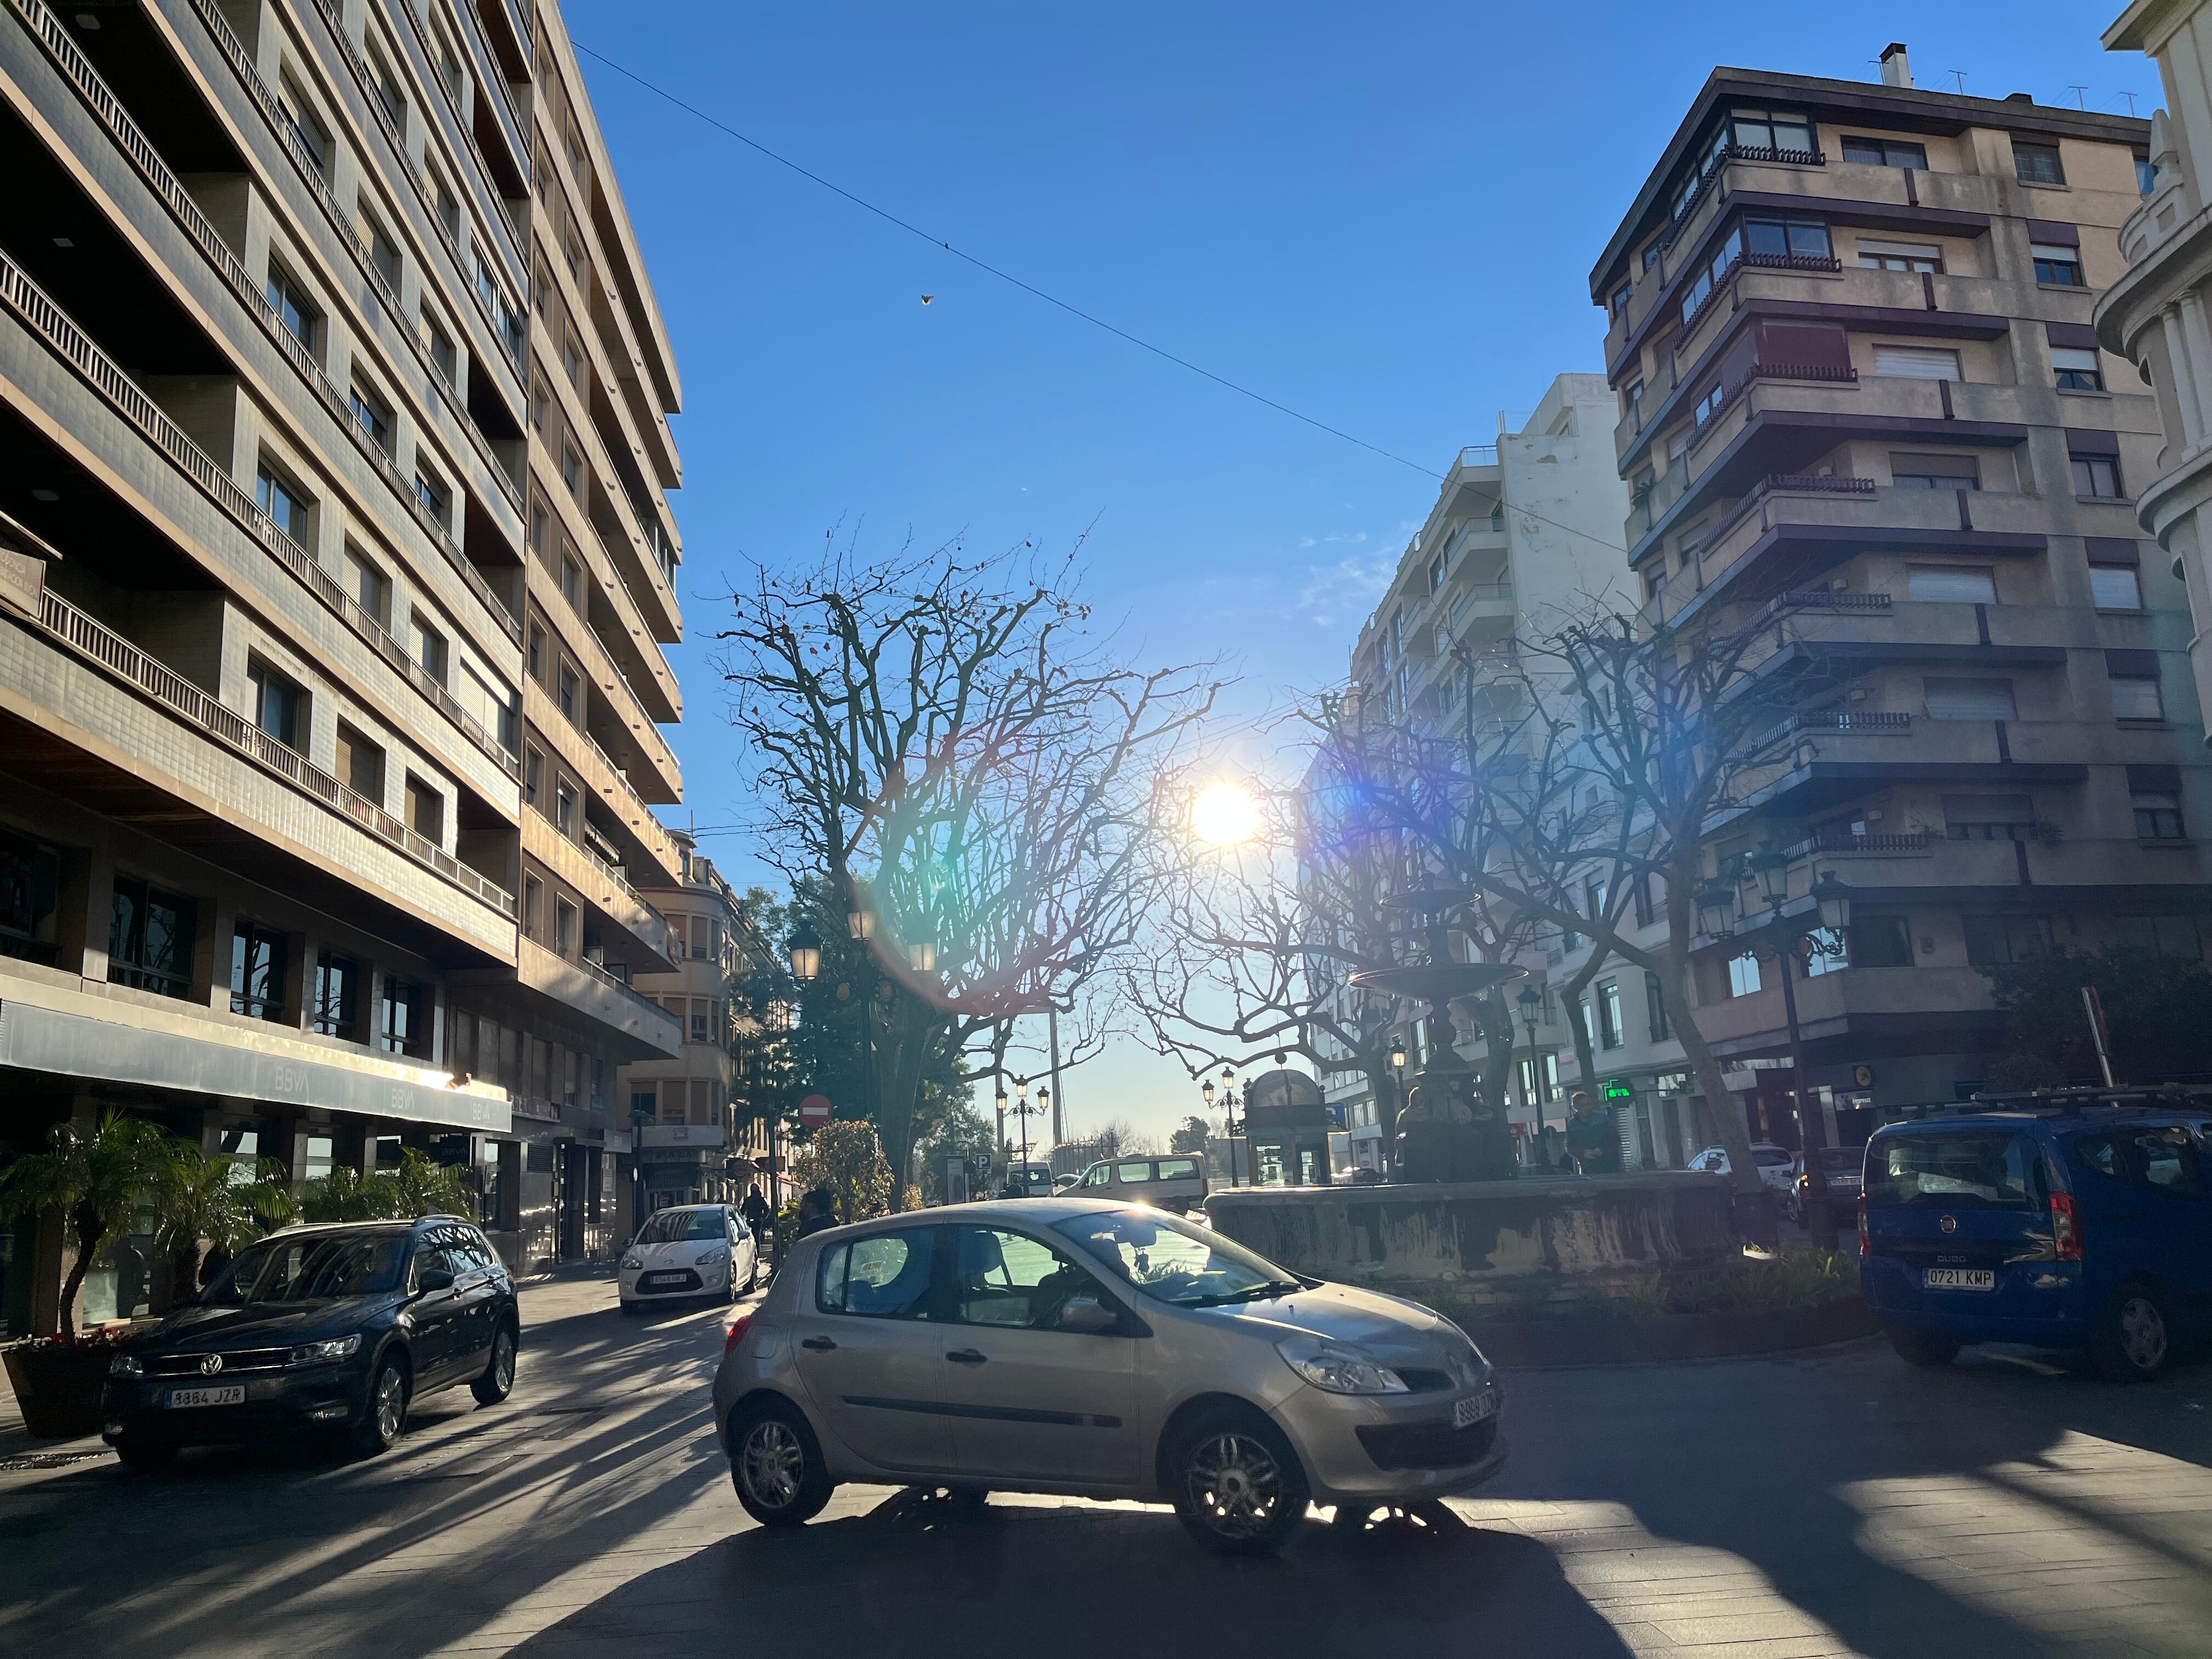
(311, 1269)
(1172, 1260)
(675, 1226)
(1996, 1171)
(1844, 1160)
(1772, 1157)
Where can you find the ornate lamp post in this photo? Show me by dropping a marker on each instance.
(1532, 1002)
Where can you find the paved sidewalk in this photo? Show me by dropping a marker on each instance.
(1836, 1503)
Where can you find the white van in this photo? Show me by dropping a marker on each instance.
(1177, 1183)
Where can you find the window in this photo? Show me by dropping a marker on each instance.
(1989, 818)
(1886, 153)
(385, 85)
(2135, 697)
(701, 1029)
(2096, 476)
(361, 763)
(1915, 362)
(1008, 1278)
(2115, 587)
(2037, 164)
(572, 582)
(382, 253)
(429, 646)
(572, 360)
(337, 996)
(279, 706)
(1901, 255)
(1715, 272)
(538, 653)
(1619, 303)
(1952, 584)
(2157, 815)
(313, 137)
(375, 418)
(1935, 472)
(2146, 175)
(425, 810)
(442, 354)
(1710, 404)
(2057, 267)
(256, 971)
(430, 490)
(569, 695)
(1879, 942)
(1743, 974)
(1825, 953)
(1608, 1014)
(371, 587)
(285, 502)
(1655, 1009)
(150, 938)
(883, 1277)
(564, 807)
(533, 775)
(565, 920)
(1802, 239)
(533, 892)
(2077, 370)
(1776, 130)
(2176, 936)
(1970, 700)
(293, 309)
(572, 468)
(403, 1018)
(1997, 941)
(443, 201)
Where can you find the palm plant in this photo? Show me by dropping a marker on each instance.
(198, 1197)
(346, 1194)
(426, 1187)
(270, 1198)
(96, 1176)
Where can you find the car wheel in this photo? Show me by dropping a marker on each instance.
(142, 1457)
(752, 1274)
(1924, 1348)
(775, 1463)
(2133, 1343)
(630, 1309)
(498, 1379)
(385, 1414)
(1237, 1484)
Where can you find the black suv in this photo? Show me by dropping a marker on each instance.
(334, 1328)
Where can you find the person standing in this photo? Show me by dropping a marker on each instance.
(1593, 1137)
(816, 1212)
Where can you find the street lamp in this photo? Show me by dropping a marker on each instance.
(1835, 901)
(1532, 1000)
(806, 953)
(1717, 910)
(1229, 1121)
(922, 956)
(1205, 1092)
(860, 920)
(1772, 870)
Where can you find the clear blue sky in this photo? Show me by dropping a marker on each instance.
(1383, 215)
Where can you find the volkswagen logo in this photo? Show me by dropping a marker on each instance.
(1950, 1224)
(210, 1364)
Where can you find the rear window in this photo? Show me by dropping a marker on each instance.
(885, 1276)
(1841, 1159)
(1133, 1172)
(1772, 1157)
(1178, 1169)
(1998, 1171)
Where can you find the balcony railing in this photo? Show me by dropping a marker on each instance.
(1847, 719)
(1478, 455)
(62, 334)
(1826, 600)
(1915, 841)
(1819, 482)
(113, 653)
(607, 976)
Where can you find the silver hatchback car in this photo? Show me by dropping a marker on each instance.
(1097, 1349)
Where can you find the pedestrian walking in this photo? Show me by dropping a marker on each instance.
(1593, 1137)
(817, 1212)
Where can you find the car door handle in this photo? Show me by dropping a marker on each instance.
(965, 1356)
(820, 1344)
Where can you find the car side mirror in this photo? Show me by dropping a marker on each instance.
(1086, 1316)
(433, 1278)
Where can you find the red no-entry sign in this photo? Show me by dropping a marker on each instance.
(815, 1109)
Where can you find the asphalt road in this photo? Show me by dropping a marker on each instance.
(1829, 1503)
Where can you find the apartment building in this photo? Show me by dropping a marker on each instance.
(336, 562)
(1850, 333)
(1524, 535)
(693, 1145)
(2155, 314)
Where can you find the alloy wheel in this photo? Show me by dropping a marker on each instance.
(2143, 1333)
(1234, 1484)
(774, 1463)
(503, 1361)
(391, 1402)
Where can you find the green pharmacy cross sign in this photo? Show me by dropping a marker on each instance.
(1618, 1092)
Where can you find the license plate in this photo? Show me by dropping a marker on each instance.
(1472, 1409)
(232, 1395)
(1959, 1279)
(655, 1280)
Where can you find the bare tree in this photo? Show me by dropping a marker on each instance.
(947, 742)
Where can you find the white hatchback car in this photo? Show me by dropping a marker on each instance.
(690, 1251)
(1097, 1350)
(1774, 1163)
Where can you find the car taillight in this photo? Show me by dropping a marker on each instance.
(2065, 1227)
(739, 1327)
(1866, 1244)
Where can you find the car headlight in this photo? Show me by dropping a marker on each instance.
(323, 1353)
(1337, 1369)
(633, 1261)
(126, 1365)
(705, 1257)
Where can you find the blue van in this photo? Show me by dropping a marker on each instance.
(2083, 1223)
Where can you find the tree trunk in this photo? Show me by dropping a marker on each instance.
(90, 1235)
(1493, 1018)
(1570, 995)
(898, 1087)
(1683, 878)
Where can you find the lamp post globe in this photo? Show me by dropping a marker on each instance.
(1206, 1091)
(1835, 901)
(805, 954)
(1770, 869)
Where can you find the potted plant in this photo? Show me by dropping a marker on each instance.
(96, 1176)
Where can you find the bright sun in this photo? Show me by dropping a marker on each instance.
(1224, 814)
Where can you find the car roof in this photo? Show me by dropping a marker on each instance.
(1045, 1210)
(381, 1226)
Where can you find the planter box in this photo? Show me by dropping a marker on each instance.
(58, 1386)
(1542, 1343)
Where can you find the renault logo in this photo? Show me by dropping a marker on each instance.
(210, 1364)
(1950, 1224)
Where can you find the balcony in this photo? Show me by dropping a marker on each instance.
(641, 933)
(1483, 608)
(649, 1030)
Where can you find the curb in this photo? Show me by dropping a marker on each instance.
(1558, 1343)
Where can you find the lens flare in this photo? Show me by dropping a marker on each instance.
(1225, 814)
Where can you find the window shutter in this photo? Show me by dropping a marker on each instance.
(1970, 700)
(1953, 584)
(2133, 664)
(2079, 335)
(2154, 780)
(2113, 550)
(2052, 230)
(2081, 442)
